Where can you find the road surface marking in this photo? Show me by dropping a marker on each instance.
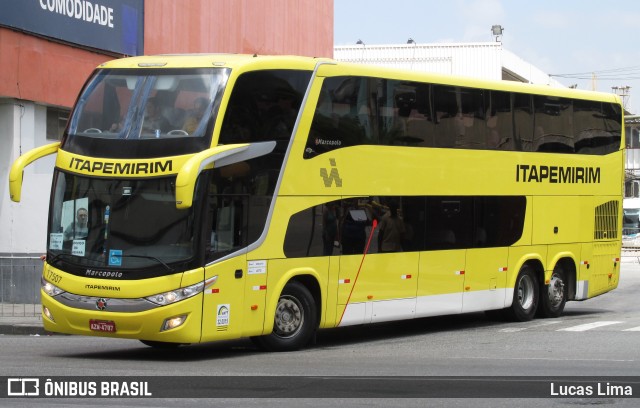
(588, 326)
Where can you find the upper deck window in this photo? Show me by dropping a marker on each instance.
(155, 112)
(353, 111)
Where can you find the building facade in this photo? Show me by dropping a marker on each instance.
(48, 48)
(485, 60)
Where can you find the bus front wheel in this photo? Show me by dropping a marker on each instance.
(554, 296)
(525, 295)
(295, 320)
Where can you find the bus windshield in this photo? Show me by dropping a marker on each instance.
(148, 105)
(118, 224)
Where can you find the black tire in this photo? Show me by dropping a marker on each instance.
(553, 297)
(525, 296)
(295, 320)
(161, 344)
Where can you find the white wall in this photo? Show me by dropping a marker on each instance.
(479, 60)
(23, 225)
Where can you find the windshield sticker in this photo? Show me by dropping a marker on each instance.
(257, 267)
(78, 247)
(223, 316)
(55, 241)
(115, 257)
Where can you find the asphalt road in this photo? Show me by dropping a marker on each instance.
(598, 337)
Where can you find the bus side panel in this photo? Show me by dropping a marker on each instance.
(440, 282)
(584, 272)
(485, 279)
(557, 219)
(330, 316)
(382, 286)
(604, 268)
(255, 294)
(223, 307)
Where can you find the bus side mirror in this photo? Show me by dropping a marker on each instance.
(17, 168)
(222, 156)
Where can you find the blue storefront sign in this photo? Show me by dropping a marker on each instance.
(112, 25)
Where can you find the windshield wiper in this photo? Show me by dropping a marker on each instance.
(153, 258)
(61, 254)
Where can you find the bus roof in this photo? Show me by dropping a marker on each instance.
(215, 60)
(259, 62)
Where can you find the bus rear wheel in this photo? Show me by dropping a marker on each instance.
(295, 320)
(525, 295)
(554, 296)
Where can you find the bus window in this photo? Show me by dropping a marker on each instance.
(446, 109)
(140, 107)
(597, 127)
(523, 122)
(264, 105)
(343, 115)
(553, 125)
(499, 133)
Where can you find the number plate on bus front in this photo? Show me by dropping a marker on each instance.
(102, 326)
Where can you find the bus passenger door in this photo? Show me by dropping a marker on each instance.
(440, 282)
(485, 279)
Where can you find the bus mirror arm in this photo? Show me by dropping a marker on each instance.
(17, 168)
(223, 155)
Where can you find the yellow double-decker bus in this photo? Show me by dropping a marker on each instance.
(198, 198)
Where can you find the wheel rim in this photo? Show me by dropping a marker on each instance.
(556, 291)
(289, 317)
(525, 292)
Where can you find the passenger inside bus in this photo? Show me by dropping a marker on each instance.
(193, 120)
(154, 122)
(78, 228)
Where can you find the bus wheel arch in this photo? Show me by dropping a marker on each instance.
(296, 316)
(526, 292)
(561, 287)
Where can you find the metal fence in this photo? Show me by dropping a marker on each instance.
(20, 286)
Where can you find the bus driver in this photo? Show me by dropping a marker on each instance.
(78, 228)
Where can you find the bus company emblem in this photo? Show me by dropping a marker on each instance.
(101, 304)
(331, 176)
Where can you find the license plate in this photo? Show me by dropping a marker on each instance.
(107, 326)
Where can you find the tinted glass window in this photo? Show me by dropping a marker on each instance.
(498, 220)
(553, 130)
(359, 110)
(523, 122)
(141, 113)
(404, 224)
(343, 115)
(499, 133)
(264, 106)
(123, 224)
(238, 199)
(449, 222)
(597, 127)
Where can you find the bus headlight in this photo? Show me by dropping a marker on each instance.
(173, 322)
(167, 298)
(49, 288)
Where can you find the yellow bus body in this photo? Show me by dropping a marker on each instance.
(366, 288)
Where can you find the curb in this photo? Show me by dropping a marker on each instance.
(23, 329)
